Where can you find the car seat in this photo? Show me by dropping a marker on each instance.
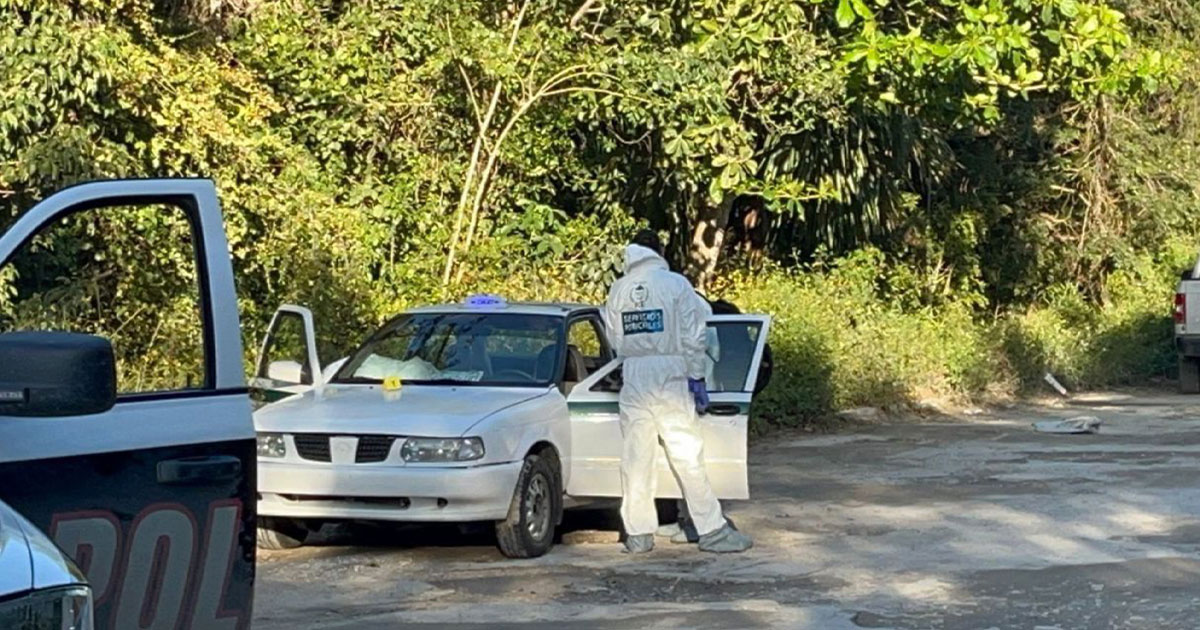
(468, 355)
(547, 360)
(575, 370)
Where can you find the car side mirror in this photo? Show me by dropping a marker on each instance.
(285, 372)
(56, 374)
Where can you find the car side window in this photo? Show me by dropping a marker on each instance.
(730, 353)
(126, 273)
(586, 336)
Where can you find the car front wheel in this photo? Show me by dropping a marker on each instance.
(280, 533)
(528, 531)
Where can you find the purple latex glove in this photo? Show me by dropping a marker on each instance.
(699, 392)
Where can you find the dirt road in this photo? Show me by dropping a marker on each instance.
(972, 524)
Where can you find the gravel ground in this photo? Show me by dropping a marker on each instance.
(971, 523)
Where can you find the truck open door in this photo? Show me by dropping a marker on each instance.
(130, 442)
(595, 421)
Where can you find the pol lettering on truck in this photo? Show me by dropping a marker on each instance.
(170, 573)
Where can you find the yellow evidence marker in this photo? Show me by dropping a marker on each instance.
(392, 384)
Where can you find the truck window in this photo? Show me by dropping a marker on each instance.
(127, 273)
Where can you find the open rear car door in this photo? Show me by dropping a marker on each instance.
(734, 361)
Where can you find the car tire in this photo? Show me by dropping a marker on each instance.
(534, 511)
(1189, 375)
(280, 533)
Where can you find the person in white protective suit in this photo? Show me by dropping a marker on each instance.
(658, 328)
(682, 530)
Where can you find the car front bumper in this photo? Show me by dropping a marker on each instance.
(386, 493)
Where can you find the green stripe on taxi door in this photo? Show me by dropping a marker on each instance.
(595, 408)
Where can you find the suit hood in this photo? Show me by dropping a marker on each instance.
(638, 257)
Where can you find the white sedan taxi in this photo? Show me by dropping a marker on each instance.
(479, 411)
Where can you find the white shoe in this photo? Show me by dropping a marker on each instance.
(725, 540)
(670, 530)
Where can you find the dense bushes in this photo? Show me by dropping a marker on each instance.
(933, 198)
(841, 340)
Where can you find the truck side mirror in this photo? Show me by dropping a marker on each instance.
(54, 374)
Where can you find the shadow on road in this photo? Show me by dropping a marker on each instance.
(605, 523)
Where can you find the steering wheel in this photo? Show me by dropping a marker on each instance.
(525, 376)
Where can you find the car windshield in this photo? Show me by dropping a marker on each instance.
(501, 349)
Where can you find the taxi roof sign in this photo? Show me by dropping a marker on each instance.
(485, 300)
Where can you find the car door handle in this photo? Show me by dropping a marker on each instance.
(204, 469)
(724, 410)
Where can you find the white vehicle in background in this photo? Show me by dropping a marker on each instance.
(1187, 330)
(40, 587)
(480, 411)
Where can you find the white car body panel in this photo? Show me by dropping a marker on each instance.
(477, 493)
(415, 410)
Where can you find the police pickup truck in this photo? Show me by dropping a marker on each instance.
(146, 481)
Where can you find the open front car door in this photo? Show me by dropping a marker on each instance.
(288, 363)
(735, 352)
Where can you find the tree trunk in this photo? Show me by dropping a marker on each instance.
(708, 239)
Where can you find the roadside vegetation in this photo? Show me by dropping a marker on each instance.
(932, 198)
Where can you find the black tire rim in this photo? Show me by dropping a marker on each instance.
(537, 506)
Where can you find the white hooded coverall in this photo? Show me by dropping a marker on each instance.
(658, 326)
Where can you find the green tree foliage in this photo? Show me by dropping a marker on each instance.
(991, 155)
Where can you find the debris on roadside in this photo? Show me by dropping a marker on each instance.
(930, 406)
(1076, 425)
(870, 415)
(591, 537)
(1058, 387)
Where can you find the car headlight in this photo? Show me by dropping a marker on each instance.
(67, 608)
(442, 449)
(271, 445)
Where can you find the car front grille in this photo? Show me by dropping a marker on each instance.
(312, 447)
(373, 448)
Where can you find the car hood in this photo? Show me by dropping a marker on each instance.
(16, 570)
(415, 410)
(28, 559)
